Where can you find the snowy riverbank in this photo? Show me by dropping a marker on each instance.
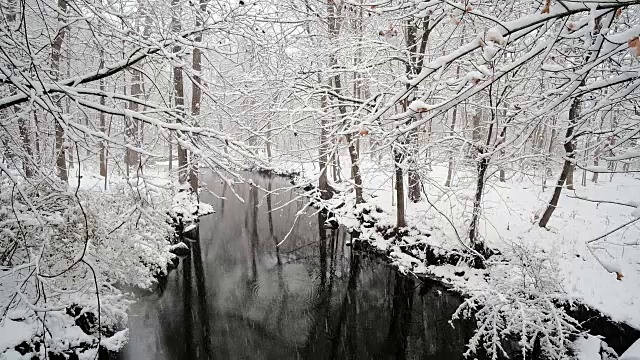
(99, 245)
(563, 260)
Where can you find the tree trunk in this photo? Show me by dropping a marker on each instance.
(67, 109)
(178, 93)
(411, 68)
(400, 216)
(268, 145)
(477, 202)
(483, 165)
(475, 133)
(103, 124)
(504, 140)
(336, 163)
(323, 183)
(572, 169)
(447, 182)
(23, 125)
(132, 157)
(36, 124)
(547, 172)
(355, 170)
(334, 29)
(568, 165)
(26, 143)
(196, 95)
(61, 161)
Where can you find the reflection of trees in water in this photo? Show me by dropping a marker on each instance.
(281, 281)
(317, 339)
(250, 302)
(400, 322)
(348, 315)
(203, 314)
(252, 217)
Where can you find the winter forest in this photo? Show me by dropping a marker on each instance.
(363, 179)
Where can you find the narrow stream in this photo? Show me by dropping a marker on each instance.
(238, 296)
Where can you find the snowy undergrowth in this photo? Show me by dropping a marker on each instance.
(67, 262)
(519, 303)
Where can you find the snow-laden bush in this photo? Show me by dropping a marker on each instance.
(520, 304)
(67, 249)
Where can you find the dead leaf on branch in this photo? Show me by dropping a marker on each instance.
(634, 45)
(547, 7)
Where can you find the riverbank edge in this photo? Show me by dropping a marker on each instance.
(618, 335)
(184, 225)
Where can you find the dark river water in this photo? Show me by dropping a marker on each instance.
(238, 296)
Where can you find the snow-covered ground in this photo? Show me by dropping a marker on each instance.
(586, 269)
(127, 247)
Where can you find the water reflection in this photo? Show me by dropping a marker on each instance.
(239, 297)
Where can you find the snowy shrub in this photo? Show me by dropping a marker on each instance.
(520, 305)
(62, 250)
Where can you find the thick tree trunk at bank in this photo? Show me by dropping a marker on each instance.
(196, 96)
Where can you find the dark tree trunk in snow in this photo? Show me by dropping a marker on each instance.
(196, 95)
(477, 203)
(572, 170)
(568, 164)
(23, 126)
(483, 165)
(574, 111)
(102, 125)
(56, 53)
(334, 29)
(326, 192)
(411, 68)
(596, 162)
(178, 93)
(400, 216)
(447, 182)
(23, 123)
(131, 125)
